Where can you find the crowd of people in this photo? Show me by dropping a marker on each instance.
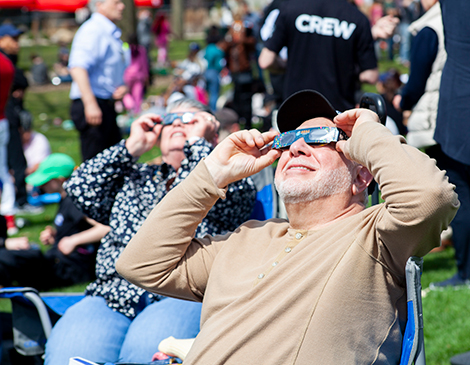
(155, 240)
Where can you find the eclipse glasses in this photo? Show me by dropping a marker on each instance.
(186, 118)
(316, 135)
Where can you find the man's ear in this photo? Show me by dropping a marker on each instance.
(362, 179)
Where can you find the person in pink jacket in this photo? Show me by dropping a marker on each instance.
(136, 76)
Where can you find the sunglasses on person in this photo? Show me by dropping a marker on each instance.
(315, 136)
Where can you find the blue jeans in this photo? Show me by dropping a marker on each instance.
(213, 87)
(91, 330)
(405, 42)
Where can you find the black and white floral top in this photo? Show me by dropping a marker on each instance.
(112, 188)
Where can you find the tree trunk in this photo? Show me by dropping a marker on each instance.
(128, 22)
(177, 18)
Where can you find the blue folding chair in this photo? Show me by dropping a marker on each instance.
(413, 338)
(266, 195)
(33, 316)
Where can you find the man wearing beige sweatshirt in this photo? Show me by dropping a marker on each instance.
(328, 285)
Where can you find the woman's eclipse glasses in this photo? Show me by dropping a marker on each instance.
(185, 118)
(316, 136)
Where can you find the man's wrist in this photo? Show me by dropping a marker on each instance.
(215, 171)
(91, 103)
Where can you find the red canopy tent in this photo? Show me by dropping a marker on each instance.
(148, 3)
(64, 5)
(16, 3)
(69, 6)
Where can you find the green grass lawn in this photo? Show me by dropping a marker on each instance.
(446, 313)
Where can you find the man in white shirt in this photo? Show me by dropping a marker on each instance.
(97, 63)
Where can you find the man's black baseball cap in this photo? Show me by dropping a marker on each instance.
(305, 105)
(301, 106)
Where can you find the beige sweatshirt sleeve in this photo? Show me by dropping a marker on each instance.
(163, 257)
(419, 200)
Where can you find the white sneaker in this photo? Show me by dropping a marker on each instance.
(12, 231)
(29, 209)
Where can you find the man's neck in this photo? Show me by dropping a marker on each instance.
(321, 212)
(104, 15)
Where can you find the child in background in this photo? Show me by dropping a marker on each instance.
(74, 239)
(39, 71)
(61, 66)
(36, 146)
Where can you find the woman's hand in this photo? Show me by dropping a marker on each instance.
(144, 134)
(204, 126)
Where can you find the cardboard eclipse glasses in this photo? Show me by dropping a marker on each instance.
(186, 118)
(316, 135)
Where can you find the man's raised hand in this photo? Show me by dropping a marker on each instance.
(349, 120)
(240, 155)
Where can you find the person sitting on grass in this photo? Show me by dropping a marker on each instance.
(73, 240)
(36, 146)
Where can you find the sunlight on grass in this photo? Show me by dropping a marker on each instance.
(446, 324)
(446, 312)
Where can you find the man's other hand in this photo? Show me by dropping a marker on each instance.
(348, 121)
(120, 92)
(93, 114)
(240, 155)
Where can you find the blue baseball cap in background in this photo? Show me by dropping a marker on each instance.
(10, 30)
(193, 46)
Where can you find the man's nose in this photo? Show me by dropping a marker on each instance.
(299, 147)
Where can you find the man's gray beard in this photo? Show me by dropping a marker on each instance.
(326, 183)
